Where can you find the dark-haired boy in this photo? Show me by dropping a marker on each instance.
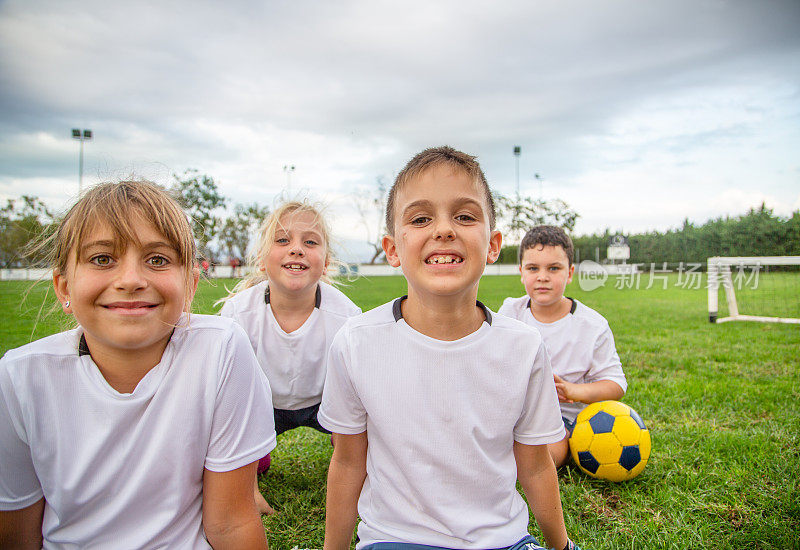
(437, 405)
(586, 367)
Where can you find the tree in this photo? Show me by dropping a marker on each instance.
(759, 232)
(198, 195)
(236, 230)
(518, 214)
(371, 205)
(21, 222)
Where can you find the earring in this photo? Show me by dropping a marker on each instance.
(66, 304)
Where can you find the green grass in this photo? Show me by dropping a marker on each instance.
(721, 402)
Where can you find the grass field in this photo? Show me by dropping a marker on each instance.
(722, 403)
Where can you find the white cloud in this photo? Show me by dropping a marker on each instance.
(739, 201)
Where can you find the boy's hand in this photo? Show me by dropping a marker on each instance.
(591, 392)
(567, 391)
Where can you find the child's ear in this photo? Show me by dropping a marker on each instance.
(495, 245)
(390, 249)
(62, 290)
(571, 271)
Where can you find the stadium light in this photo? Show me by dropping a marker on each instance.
(541, 188)
(81, 136)
(288, 168)
(514, 223)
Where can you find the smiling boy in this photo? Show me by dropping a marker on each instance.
(437, 405)
(579, 341)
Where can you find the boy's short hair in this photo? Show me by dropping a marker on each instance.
(547, 235)
(438, 156)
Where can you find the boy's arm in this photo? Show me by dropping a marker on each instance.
(346, 475)
(230, 519)
(606, 379)
(22, 529)
(537, 475)
(590, 392)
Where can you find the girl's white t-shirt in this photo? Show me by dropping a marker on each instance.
(295, 362)
(126, 470)
(580, 345)
(441, 420)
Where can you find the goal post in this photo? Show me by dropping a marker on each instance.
(755, 288)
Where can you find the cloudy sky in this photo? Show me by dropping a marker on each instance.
(637, 113)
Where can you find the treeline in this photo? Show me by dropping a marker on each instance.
(759, 232)
(224, 233)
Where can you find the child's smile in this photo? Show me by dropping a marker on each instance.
(444, 258)
(294, 266)
(131, 308)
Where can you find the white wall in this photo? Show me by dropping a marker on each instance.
(224, 271)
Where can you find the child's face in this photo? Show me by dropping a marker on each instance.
(297, 258)
(442, 238)
(125, 300)
(545, 274)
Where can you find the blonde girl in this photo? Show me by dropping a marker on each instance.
(128, 430)
(291, 312)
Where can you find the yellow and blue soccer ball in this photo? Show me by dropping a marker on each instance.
(610, 441)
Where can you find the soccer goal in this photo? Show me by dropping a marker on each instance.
(765, 289)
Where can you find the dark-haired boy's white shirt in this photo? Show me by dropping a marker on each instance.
(580, 345)
(441, 420)
(295, 362)
(125, 470)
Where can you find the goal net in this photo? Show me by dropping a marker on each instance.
(765, 289)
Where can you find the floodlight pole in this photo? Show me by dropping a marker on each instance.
(81, 136)
(515, 229)
(288, 168)
(541, 188)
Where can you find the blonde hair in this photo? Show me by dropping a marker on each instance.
(117, 206)
(266, 240)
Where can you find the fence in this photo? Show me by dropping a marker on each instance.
(224, 271)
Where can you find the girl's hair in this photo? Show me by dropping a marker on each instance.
(116, 206)
(266, 239)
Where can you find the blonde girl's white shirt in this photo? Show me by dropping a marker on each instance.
(580, 345)
(126, 470)
(295, 362)
(441, 420)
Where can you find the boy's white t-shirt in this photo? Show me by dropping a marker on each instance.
(295, 362)
(126, 470)
(441, 420)
(580, 345)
